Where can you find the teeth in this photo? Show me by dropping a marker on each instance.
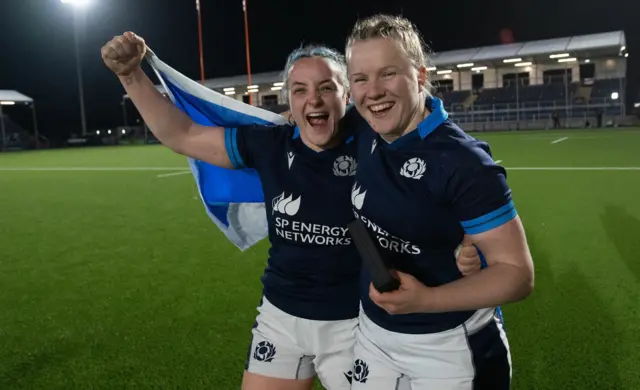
(380, 107)
(317, 114)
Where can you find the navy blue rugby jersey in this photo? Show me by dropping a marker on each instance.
(313, 267)
(418, 196)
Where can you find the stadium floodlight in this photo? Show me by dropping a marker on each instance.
(467, 65)
(431, 69)
(479, 68)
(636, 105)
(622, 48)
(280, 84)
(573, 59)
(7, 103)
(77, 3)
(109, 131)
(587, 61)
(124, 131)
(252, 86)
(626, 55)
(523, 64)
(276, 88)
(97, 132)
(511, 60)
(614, 96)
(230, 93)
(228, 89)
(563, 55)
(445, 71)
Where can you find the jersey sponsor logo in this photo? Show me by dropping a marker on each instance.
(373, 146)
(386, 240)
(290, 157)
(304, 232)
(357, 197)
(413, 168)
(288, 205)
(345, 166)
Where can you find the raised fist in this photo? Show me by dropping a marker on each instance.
(124, 53)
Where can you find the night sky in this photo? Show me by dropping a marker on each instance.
(37, 48)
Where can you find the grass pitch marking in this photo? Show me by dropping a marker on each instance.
(173, 174)
(107, 169)
(559, 140)
(573, 169)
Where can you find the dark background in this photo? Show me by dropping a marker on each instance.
(37, 47)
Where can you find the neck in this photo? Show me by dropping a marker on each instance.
(335, 141)
(420, 114)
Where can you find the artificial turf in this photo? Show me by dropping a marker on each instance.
(118, 279)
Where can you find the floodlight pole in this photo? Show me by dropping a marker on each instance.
(35, 124)
(2, 133)
(76, 23)
(200, 41)
(246, 38)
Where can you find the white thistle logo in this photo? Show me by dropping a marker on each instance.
(287, 205)
(344, 166)
(357, 197)
(414, 168)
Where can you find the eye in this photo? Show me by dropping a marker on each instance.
(327, 88)
(298, 90)
(359, 79)
(388, 73)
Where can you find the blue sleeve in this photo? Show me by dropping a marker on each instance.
(246, 145)
(478, 192)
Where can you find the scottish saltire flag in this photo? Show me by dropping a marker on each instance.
(232, 198)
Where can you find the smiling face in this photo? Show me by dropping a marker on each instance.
(387, 88)
(318, 100)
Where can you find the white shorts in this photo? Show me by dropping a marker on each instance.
(474, 355)
(288, 347)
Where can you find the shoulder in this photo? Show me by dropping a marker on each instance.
(457, 148)
(268, 129)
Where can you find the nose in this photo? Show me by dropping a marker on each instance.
(314, 99)
(376, 90)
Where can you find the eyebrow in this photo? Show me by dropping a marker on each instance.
(304, 84)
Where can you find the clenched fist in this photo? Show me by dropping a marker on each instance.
(124, 53)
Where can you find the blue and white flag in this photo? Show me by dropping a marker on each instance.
(232, 198)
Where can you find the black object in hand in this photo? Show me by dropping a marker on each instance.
(381, 277)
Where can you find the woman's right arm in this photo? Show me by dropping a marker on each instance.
(123, 55)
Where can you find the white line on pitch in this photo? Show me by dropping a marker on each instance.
(573, 169)
(498, 162)
(114, 169)
(174, 174)
(559, 140)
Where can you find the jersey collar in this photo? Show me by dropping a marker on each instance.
(427, 126)
(436, 118)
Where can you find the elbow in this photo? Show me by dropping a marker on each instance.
(527, 284)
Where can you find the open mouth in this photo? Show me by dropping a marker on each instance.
(380, 109)
(318, 118)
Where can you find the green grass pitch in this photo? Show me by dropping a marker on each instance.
(114, 279)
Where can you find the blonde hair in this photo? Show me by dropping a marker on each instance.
(394, 27)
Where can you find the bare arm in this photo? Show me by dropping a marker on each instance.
(173, 127)
(509, 276)
(123, 55)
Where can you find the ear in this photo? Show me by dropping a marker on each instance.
(347, 96)
(423, 77)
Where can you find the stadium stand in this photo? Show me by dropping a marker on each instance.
(518, 85)
(12, 136)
